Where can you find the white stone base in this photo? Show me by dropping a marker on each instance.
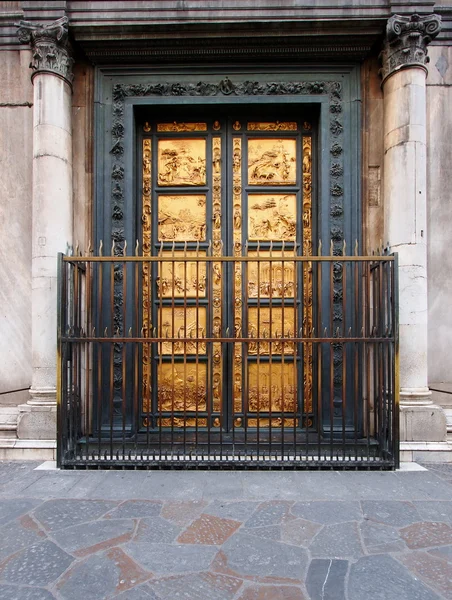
(27, 449)
(426, 452)
(37, 421)
(422, 423)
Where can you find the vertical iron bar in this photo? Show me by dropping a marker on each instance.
(112, 352)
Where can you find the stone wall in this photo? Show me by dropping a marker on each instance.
(16, 141)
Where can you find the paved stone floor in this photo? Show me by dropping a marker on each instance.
(209, 535)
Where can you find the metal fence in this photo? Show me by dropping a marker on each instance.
(268, 360)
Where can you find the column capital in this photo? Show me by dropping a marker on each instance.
(51, 49)
(406, 41)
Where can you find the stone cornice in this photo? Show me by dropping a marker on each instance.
(406, 42)
(51, 49)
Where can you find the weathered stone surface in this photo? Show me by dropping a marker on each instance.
(394, 513)
(208, 529)
(101, 576)
(58, 514)
(272, 532)
(11, 509)
(156, 529)
(327, 512)
(249, 555)
(85, 539)
(142, 592)
(340, 540)
(435, 511)
(182, 512)
(383, 578)
(268, 513)
(272, 592)
(435, 571)
(237, 511)
(167, 559)
(199, 586)
(136, 508)
(17, 535)
(379, 538)
(425, 535)
(326, 579)
(39, 565)
(298, 531)
(10, 592)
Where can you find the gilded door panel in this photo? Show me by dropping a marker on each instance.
(182, 161)
(181, 278)
(272, 217)
(275, 279)
(182, 218)
(183, 322)
(272, 161)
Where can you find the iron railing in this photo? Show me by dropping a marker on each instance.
(267, 360)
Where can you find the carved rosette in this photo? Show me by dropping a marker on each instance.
(407, 38)
(51, 49)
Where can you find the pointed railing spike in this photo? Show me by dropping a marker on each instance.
(113, 246)
(130, 332)
(101, 247)
(331, 248)
(124, 250)
(106, 332)
(344, 248)
(356, 248)
(90, 248)
(137, 248)
(77, 248)
(320, 248)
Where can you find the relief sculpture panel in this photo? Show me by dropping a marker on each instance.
(182, 218)
(271, 280)
(272, 161)
(272, 386)
(182, 387)
(185, 324)
(181, 162)
(272, 217)
(276, 322)
(181, 278)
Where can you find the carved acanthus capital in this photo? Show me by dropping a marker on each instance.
(51, 49)
(406, 42)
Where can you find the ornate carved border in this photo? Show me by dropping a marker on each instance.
(331, 89)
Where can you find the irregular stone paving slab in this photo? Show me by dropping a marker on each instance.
(237, 511)
(326, 579)
(298, 531)
(156, 529)
(53, 485)
(444, 552)
(394, 513)
(11, 509)
(337, 541)
(379, 538)
(435, 511)
(12, 592)
(18, 535)
(421, 485)
(85, 539)
(59, 514)
(268, 513)
(142, 592)
(425, 535)
(199, 586)
(436, 572)
(39, 564)
(249, 555)
(272, 592)
(182, 512)
(381, 577)
(208, 529)
(131, 509)
(327, 513)
(102, 576)
(273, 532)
(168, 559)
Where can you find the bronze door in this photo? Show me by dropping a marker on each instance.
(226, 204)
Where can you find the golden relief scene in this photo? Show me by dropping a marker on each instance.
(272, 161)
(180, 278)
(271, 280)
(182, 387)
(182, 162)
(185, 324)
(271, 323)
(273, 126)
(182, 218)
(272, 387)
(272, 217)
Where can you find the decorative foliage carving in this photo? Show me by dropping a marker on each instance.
(51, 49)
(407, 38)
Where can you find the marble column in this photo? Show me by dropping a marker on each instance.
(52, 211)
(404, 57)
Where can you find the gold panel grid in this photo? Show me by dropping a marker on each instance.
(181, 278)
(271, 280)
(275, 322)
(272, 217)
(181, 218)
(272, 161)
(186, 323)
(272, 386)
(182, 387)
(182, 162)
